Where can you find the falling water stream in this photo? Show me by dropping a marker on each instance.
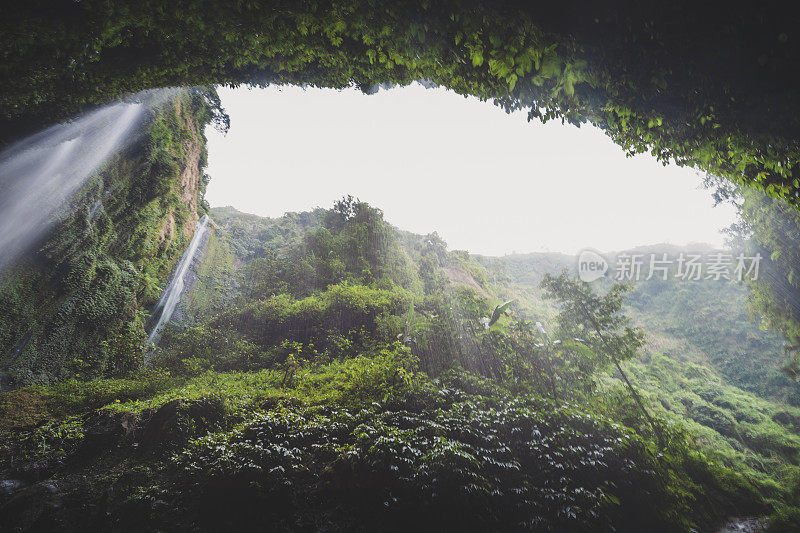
(172, 294)
(41, 174)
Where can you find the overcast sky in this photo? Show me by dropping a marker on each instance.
(487, 181)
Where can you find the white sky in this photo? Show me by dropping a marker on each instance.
(488, 182)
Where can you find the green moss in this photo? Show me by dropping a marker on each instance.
(215, 280)
(663, 97)
(31, 405)
(77, 307)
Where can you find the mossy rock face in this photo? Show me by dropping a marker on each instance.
(174, 423)
(785, 418)
(74, 306)
(104, 429)
(712, 417)
(37, 507)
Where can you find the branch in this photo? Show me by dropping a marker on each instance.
(635, 394)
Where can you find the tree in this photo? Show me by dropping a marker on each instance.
(599, 323)
(346, 208)
(768, 228)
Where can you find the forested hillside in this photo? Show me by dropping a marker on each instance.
(705, 365)
(700, 321)
(328, 371)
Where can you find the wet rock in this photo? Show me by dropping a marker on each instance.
(105, 429)
(7, 383)
(175, 422)
(36, 507)
(743, 525)
(10, 486)
(160, 505)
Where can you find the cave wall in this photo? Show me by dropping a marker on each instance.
(700, 84)
(77, 307)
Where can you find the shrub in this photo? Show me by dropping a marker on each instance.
(196, 349)
(355, 311)
(472, 464)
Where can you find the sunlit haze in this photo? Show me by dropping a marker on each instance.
(486, 181)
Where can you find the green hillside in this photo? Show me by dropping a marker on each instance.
(165, 366)
(706, 364)
(337, 373)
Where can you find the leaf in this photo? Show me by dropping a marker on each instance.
(512, 82)
(551, 65)
(569, 88)
(498, 312)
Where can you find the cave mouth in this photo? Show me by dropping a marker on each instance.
(326, 369)
(708, 88)
(487, 181)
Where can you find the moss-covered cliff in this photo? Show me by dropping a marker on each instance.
(78, 305)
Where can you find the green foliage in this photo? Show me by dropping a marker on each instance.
(740, 430)
(382, 375)
(498, 312)
(355, 313)
(194, 350)
(324, 414)
(76, 307)
(459, 461)
(635, 73)
(775, 293)
(456, 451)
(713, 322)
(787, 516)
(597, 320)
(33, 405)
(47, 442)
(358, 247)
(530, 362)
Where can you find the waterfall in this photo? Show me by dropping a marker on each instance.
(40, 174)
(172, 294)
(94, 209)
